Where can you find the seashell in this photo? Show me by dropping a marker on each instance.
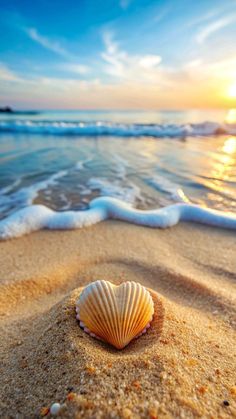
(115, 314)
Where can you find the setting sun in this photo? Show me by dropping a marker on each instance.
(232, 91)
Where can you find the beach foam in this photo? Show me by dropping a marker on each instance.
(12, 198)
(26, 195)
(116, 129)
(173, 190)
(37, 217)
(129, 193)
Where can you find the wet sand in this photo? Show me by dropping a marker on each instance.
(184, 369)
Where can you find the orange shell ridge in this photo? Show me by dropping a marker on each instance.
(115, 314)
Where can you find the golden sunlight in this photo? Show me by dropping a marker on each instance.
(223, 167)
(229, 146)
(231, 116)
(232, 91)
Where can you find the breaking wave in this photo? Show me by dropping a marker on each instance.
(116, 129)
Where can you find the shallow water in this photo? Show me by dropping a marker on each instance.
(66, 171)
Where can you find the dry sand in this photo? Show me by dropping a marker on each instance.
(186, 371)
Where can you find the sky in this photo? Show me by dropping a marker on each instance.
(118, 54)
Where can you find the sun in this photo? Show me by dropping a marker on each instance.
(232, 91)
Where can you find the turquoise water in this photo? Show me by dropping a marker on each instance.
(150, 159)
(141, 117)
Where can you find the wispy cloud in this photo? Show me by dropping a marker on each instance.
(122, 65)
(45, 89)
(164, 89)
(47, 43)
(6, 74)
(213, 27)
(71, 66)
(161, 14)
(75, 68)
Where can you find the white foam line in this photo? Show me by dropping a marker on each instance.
(81, 164)
(37, 217)
(172, 189)
(116, 129)
(9, 188)
(27, 194)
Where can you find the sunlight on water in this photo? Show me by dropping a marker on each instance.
(145, 170)
(223, 170)
(230, 145)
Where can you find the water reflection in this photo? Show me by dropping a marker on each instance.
(223, 172)
(148, 171)
(229, 145)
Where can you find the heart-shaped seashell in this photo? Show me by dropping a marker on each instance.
(115, 314)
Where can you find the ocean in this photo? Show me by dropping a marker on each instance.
(149, 159)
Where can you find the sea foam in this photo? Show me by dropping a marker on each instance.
(116, 129)
(25, 195)
(172, 189)
(37, 217)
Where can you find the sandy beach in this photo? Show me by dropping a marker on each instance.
(185, 369)
(118, 209)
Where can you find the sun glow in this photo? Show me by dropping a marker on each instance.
(229, 146)
(231, 116)
(232, 91)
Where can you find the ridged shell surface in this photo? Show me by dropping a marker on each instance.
(115, 314)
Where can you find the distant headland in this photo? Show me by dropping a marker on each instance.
(6, 109)
(9, 110)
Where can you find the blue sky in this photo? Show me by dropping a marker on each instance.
(117, 53)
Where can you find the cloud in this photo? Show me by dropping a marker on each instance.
(120, 64)
(149, 61)
(75, 68)
(47, 43)
(196, 63)
(213, 27)
(137, 81)
(6, 74)
(222, 69)
(174, 89)
(72, 66)
(51, 92)
(162, 14)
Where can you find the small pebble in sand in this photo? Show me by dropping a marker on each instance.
(54, 409)
(233, 390)
(136, 384)
(126, 413)
(225, 403)
(44, 411)
(202, 389)
(71, 396)
(153, 411)
(90, 370)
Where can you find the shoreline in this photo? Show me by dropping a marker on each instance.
(187, 370)
(39, 217)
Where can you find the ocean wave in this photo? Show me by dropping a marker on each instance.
(118, 130)
(26, 195)
(129, 192)
(37, 217)
(12, 198)
(173, 190)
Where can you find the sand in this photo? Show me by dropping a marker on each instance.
(185, 369)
